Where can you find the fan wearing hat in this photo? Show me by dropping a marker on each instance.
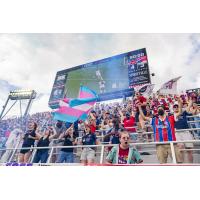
(181, 123)
(129, 122)
(88, 153)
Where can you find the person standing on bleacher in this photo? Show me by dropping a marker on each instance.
(28, 142)
(180, 116)
(129, 123)
(124, 153)
(44, 141)
(195, 110)
(60, 128)
(143, 102)
(88, 153)
(164, 131)
(69, 139)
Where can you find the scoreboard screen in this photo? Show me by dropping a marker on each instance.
(111, 78)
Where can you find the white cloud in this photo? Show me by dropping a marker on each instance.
(40, 105)
(32, 60)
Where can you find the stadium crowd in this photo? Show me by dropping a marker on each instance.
(117, 123)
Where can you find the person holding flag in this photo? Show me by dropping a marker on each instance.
(88, 153)
(69, 139)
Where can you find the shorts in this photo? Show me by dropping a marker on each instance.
(185, 135)
(24, 151)
(87, 154)
(164, 150)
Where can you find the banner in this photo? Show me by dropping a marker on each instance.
(170, 87)
(138, 68)
(147, 90)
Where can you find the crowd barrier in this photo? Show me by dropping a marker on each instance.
(100, 154)
(13, 152)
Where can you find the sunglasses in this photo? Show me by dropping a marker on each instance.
(125, 138)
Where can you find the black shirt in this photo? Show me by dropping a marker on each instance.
(68, 142)
(29, 141)
(43, 143)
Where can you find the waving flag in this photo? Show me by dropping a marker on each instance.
(67, 114)
(170, 87)
(85, 92)
(72, 110)
(147, 90)
(64, 102)
(87, 99)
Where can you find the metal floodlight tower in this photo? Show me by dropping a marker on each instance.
(18, 95)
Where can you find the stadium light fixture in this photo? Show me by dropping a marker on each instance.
(22, 94)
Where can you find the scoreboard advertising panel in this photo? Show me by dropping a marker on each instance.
(111, 78)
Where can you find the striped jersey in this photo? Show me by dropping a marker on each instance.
(164, 130)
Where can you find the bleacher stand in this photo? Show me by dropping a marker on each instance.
(101, 121)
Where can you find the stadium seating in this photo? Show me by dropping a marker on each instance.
(145, 137)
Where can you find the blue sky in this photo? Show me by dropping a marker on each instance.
(32, 60)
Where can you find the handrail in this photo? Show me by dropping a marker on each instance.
(198, 115)
(102, 145)
(193, 121)
(144, 133)
(171, 143)
(105, 145)
(151, 132)
(177, 130)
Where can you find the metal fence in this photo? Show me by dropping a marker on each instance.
(8, 155)
(101, 152)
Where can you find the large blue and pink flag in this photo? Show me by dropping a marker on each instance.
(72, 110)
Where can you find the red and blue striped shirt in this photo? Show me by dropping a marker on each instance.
(164, 130)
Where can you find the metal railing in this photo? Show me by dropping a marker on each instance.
(193, 116)
(102, 147)
(151, 132)
(15, 150)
